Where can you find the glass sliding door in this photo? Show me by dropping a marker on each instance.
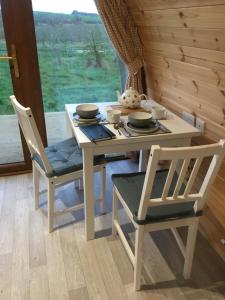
(77, 61)
(18, 76)
(11, 149)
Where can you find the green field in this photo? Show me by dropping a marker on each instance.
(76, 59)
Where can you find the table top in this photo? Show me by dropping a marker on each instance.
(178, 127)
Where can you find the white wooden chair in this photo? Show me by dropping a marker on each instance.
(163, 199)
(58, 164)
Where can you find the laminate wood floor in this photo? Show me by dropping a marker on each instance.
(62, 265)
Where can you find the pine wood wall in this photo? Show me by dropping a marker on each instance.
(184, 53)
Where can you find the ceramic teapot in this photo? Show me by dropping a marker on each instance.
(130, 98)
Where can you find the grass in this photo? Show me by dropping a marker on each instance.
(74, 78)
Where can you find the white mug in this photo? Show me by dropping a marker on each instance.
(113, 115)
(158, 112)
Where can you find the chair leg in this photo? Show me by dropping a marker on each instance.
(103, 189)
(190, 247)
(81, 184)
(139, 241)
(51, 205)
(76, 184)
(36, 183)
(114, 211)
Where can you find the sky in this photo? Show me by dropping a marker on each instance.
(64, 6)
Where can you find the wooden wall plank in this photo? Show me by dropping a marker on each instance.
(212, 130)
(211, 95)
(133, 4)
(186, 57)
(200, 17)
(193, 103)
(221, 173)
(185, 90)
(216, 200)
(214, 231)
(213, 39)
(162, 4)
(202, 57)
(213, 77)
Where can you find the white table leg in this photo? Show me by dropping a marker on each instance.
(88, 192)
(69, 127)
(143, 160)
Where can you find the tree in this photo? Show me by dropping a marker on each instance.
(95, 49)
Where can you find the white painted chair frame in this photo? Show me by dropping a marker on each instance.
(185, 154)
(35, 145)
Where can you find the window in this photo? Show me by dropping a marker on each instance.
(77, 61)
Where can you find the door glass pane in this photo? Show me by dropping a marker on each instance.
(10, 141)
(76, 58)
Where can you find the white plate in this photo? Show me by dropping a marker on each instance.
(98, 117)
(149, 129)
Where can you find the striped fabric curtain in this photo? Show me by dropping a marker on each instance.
(123, 33)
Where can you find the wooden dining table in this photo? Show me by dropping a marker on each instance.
(180, 135)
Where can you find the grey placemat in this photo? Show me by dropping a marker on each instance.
(130, 133)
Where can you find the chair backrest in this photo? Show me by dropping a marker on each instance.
(30, 132)
(183, 155)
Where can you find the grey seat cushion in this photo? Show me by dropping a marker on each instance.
(65, 157)
(130, 188)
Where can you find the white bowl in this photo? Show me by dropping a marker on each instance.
(87, 111)
(139, 119)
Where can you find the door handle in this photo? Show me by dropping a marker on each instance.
(13, 60)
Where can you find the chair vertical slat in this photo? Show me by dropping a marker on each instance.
(149, 180)
(183, 172)
(193, 176)
(169, 178)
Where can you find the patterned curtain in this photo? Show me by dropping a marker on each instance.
(123, 34)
